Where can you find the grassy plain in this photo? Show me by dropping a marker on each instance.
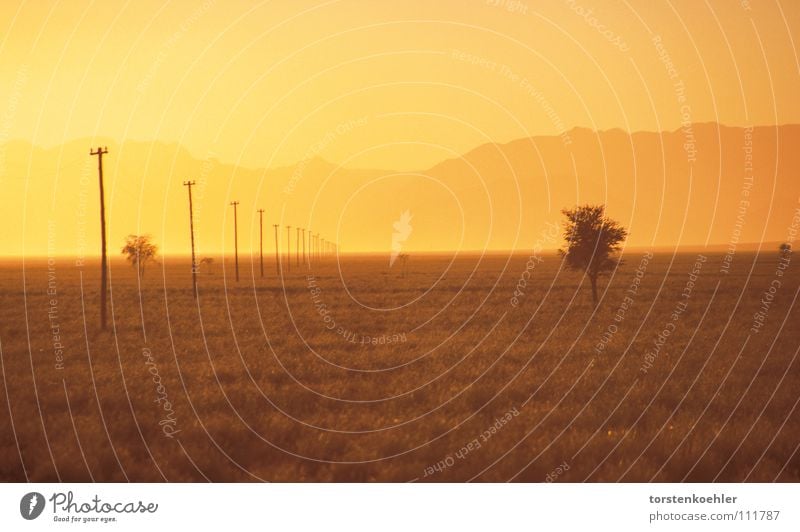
(350, 371)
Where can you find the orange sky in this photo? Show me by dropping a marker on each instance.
(366, 84)
(275, 78)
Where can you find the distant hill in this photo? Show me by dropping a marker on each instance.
(496, 196)
(645, 179)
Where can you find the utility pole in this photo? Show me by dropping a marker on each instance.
(297, 248)
(289, 248)
(305, 263)
(189, 185)
(236, 238)
(277, 260)
(261, 240)
(316, 246)
(104, 259)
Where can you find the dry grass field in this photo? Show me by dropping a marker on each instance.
(351, 371)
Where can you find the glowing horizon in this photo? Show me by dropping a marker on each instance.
(505, 70)
(341, 115)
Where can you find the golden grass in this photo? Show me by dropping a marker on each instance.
(260, 389)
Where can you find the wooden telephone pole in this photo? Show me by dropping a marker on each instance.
(236, 239)
(297, 248)
(277, 258)
(261, 240)
(304, 248)
(189, 185)
(289, 248)
(104, 258)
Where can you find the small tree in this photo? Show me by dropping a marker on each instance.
(403, 264)
(208, 263)
(592, 240)
(785, 249)
(139, 250)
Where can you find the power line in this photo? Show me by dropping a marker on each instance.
(104, 260)
(236, 238)
(189, 185)
(305, 262)
(261, 240)
(288, 248)
(277, 259)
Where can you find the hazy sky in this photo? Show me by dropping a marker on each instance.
(399, 85)
(386, 84)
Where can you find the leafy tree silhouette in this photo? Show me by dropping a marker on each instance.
(139, 250)
(592, 240)
(404, 264)
(208, 262)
